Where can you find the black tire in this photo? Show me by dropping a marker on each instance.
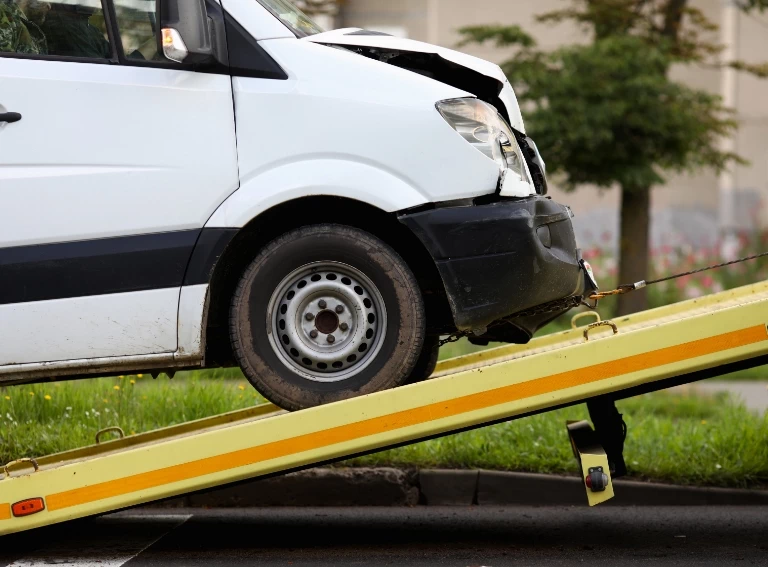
(427, 362)
(270, 370)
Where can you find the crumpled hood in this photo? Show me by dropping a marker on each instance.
(482, 78)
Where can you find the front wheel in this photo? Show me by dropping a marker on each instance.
(427, 362)
(324, 313)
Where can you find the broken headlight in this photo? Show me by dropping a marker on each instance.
(481, 125)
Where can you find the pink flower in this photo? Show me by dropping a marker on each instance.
(682, 283)
(693, 293)
(591, 253)
(743, 240)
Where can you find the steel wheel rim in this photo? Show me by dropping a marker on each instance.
(322, 300)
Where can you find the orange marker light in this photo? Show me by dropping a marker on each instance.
(28, 507)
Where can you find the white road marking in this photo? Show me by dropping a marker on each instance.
(108, 542)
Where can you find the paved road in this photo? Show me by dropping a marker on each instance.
(424, 536)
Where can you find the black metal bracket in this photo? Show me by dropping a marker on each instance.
(611, 431)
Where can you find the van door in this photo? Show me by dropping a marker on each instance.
(111, 160)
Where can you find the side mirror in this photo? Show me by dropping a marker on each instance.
(185, 31)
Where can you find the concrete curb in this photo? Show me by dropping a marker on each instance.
(313, 487)
(503, 488)
(397, 487)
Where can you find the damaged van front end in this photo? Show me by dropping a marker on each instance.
(509, 261)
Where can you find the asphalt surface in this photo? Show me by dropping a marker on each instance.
(424, 536)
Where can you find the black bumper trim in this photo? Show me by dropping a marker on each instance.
(492, 259)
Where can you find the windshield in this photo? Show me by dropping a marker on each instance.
(299, 23)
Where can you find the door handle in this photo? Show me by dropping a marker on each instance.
(10, 117)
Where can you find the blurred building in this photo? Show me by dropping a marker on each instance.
(690, 209)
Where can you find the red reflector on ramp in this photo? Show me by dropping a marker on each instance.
(28, 507)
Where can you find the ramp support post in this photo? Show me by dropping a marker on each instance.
(611, 431)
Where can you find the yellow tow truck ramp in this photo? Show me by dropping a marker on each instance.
(652, 349)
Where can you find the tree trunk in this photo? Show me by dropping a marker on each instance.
(633, 246)
(634, 261)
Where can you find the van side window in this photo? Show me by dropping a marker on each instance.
(137, 24)
(59, 29)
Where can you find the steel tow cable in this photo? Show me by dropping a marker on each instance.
(622, 289)
(643, 283)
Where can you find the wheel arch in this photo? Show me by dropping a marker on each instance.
(289, 215)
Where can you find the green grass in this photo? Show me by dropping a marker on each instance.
(40, 419)
(672, 438)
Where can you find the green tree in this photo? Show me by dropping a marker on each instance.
(607, 113)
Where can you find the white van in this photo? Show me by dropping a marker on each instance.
(191, 183)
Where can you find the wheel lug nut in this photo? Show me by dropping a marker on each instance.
(331, 339)
(339, 309)
(322, 304)
(343, 326)
(313, 333)
(309, 316)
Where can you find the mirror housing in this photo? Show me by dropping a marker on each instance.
(185, 32)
